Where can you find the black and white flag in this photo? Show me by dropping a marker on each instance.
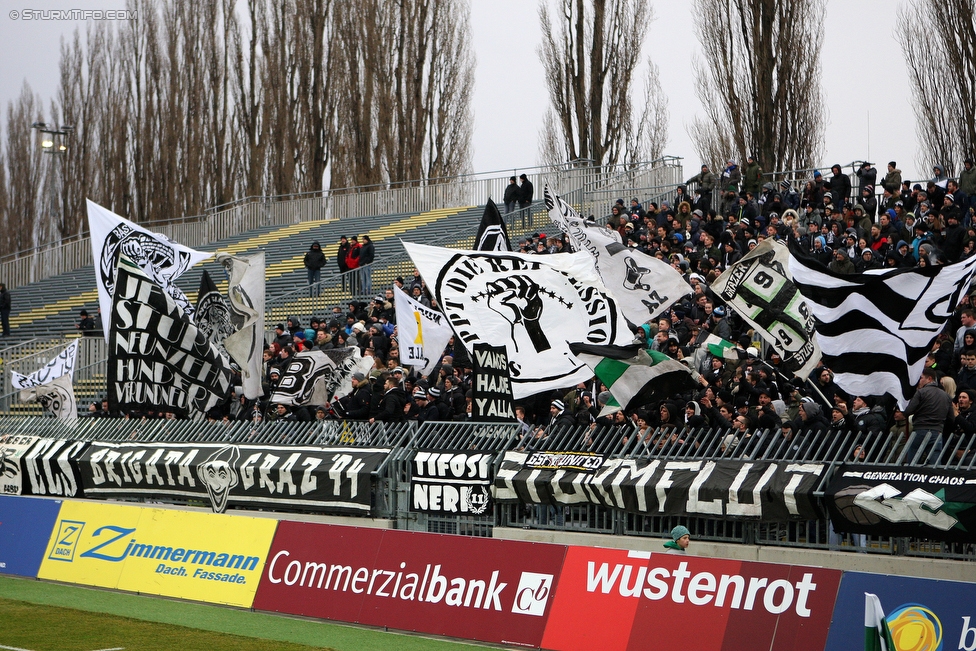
(451, 482)
(282, 478)
(157, 357)
(245, 297)
(875, 329)
(760, 289)
(492, 233)
(422, 333)
(645, 286)
(61, 364)
(316, 377)
(534, 305)
(212, 315)
(765, 490)
(492, 386)
(56, 397)
(162, 259)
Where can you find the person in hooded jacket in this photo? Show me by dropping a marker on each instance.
(867, 175)
(810, 425)
(341, 254)
(841, 263)
(314, 261)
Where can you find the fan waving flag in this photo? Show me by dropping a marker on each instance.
(635, 376)
(212, 314)
(422, 333)
(531, 304)
(759, 288)
(162, 259)
(492, 234)
(157, 357)
(644, 285)
(875, 329)
(877, 637)
(245, 295)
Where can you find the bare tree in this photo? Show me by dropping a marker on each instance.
(25, 172)
(403, 110)
(938, 40)
(759, 82)
(590, 49)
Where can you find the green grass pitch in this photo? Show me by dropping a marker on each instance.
(42, 616)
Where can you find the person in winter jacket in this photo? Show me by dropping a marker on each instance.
(752, 177)
(840, 187)
(511, 195)
(892, 180)
(867, 175)
(731, 177)
(367, 254)
(314, 261)
(392, 404)
(352, 263)
(842, 263)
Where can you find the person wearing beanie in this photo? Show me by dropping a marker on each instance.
(680, 539)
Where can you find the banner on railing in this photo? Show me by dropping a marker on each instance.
(12, 448)
(896, 501)
(51, 468)
(766, 490)
(451, 482)
(329, 480)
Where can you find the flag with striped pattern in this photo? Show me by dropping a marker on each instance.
(875, 329)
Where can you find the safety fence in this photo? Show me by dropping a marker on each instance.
(221, 222)
(869, 494)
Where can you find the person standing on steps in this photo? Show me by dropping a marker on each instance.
(511, 195)
(5, 309)
(352, 263)
(525, 199)
(314, 261)
(341, 260)
(367, 253)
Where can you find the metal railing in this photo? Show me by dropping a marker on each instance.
(249, 213)
(392, 483)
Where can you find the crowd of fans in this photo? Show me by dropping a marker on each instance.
(873, 222)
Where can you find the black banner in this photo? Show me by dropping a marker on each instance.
(492, 386)
(765, 490)
(896, 501)
(327, 480)
(50, 467)
(157, 357)
(451, 482)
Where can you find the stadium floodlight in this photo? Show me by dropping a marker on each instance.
(47, 144)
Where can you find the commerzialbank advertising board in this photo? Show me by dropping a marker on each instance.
(189, 555)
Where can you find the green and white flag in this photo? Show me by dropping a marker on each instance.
(719, 347)
(877, 637)
(634, 376)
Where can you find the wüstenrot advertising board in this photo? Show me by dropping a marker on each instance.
(189, 555)
(25, 528)
(475, 588)
(639, 600)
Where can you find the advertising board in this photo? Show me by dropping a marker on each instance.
(25, 527)
(189, 555)
(639, 600)
(921, 613)
(475, 588)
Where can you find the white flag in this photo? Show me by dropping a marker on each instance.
(162, 259)
(422, 333)
(63, 364)
(245, 294)
(534, 305)
(56, 396)
(645, 286)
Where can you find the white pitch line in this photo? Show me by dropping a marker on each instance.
(13, 648)
(117, 648)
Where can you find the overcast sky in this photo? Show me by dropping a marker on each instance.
(865, 82)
